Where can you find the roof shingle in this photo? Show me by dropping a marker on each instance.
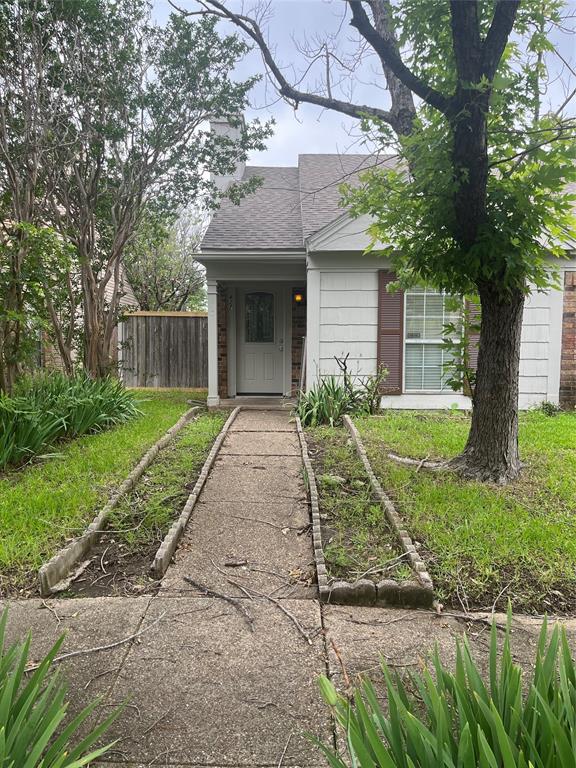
(268, 219)
(291, 204)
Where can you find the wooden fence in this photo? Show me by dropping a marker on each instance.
(164, 349)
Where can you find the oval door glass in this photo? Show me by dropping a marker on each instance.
(259, 318)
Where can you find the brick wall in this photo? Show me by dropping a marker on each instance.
(568, 364)
(298, 333)
(222, 315)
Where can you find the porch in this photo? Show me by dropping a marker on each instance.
(256, 340)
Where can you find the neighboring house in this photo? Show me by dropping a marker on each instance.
(288, 264)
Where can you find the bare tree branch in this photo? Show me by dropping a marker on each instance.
(390, 57)
(253, 30)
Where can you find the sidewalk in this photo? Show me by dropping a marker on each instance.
(250, 525)
(210, 682)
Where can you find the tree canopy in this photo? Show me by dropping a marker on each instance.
(105, 116)
(160, 263)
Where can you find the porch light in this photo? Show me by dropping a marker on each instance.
(298, 298)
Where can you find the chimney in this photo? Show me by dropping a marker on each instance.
(221, 126)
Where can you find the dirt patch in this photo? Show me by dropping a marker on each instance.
(114, 571)
(120, 563)
(356, 536)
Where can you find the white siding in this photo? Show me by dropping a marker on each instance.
(540, 348)
(345, 320)
(348, 320)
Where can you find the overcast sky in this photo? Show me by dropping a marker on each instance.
(311, 129)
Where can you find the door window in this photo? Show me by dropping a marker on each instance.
(259, 317)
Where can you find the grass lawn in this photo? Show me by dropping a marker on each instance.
(49, 501)
(356, 538)
(483, 543)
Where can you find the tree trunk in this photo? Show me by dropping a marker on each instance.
(491, 453)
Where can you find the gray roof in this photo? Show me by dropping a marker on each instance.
(291, 204)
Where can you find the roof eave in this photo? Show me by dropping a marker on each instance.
(255, 254)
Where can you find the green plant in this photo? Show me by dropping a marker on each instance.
(52, 500)
(331, 398)
(364, 391)
(144, 515)
(325, 403)
(457, 721)
(493, 541)
(460, 339)
(359, 541)
(548, 408)
(50, 406)
(33, 710)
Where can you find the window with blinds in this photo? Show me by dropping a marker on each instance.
(426, 313)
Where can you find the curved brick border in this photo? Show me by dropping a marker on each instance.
(59, 566)
(424, 587)
(168, 547)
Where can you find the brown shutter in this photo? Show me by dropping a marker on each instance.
(390, 333)
(473, 308)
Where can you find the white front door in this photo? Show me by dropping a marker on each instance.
(260, 352)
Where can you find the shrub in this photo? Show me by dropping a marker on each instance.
(32, 713)
(331, 398)
(548, 408)
(48, 407)
(457, 721)
(325, 403)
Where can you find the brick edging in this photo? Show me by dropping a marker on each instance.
(362, 591)
(60, 565)
(168, 546)
(424, 578)
(321, 572)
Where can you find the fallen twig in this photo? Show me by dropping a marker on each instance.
(382, 623)
(239, 586)
(342, 667)
(101, 674)
(102, 560)
(97, 648)
(424, 460)
(267, 522)
(418, 463)
(476, 619)
(156, 722)
(52, 611)
(284, 752)
(284, 610)
(384, 566)
(234, 601)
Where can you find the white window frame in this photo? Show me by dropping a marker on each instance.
(434, 342)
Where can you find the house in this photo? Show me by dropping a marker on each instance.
(290, 289)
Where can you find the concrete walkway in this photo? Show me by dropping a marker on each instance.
(210, 683)
(251, 523)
